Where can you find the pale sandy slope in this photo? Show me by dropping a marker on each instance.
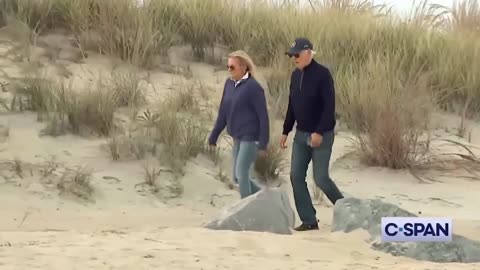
(127, 228)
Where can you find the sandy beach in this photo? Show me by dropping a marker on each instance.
(125, 226)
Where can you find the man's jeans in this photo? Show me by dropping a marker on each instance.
(244, 155)
(302, 153)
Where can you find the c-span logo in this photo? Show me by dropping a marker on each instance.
(416, 229)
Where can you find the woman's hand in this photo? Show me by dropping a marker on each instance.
(262, 153)
(283, 141)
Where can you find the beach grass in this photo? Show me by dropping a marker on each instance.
(390, 74)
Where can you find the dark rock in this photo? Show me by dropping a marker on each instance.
(460, 249)
(352, 213)
(268, 210)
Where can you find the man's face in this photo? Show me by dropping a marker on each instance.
(302, 59)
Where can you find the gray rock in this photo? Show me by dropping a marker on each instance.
(268, 210)
(460, 250)
(351, 214)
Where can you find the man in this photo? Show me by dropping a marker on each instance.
(312, 106)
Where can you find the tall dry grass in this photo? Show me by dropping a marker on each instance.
(387, 70)
(389, 113)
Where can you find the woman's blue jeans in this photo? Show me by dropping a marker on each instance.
(244, 155)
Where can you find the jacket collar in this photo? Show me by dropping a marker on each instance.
(246, 76)
(307, 67)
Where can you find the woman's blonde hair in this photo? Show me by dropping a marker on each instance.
(245, 60)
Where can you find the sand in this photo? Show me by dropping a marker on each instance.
(127, 227)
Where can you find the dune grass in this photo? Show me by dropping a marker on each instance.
(390, 75)
(270, 167)
(79, 111)
(77, 182)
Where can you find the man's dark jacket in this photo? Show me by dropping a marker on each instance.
(311, 101)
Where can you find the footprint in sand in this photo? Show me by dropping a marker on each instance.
(439, 201)
(405, 197)
(356, 255)
(444, 202)
(250, 245)
(106, 232)
(229, 249)
(111, 179)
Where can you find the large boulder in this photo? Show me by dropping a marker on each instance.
(352, 213)
(268, 210)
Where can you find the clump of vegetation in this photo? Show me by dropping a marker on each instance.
(52, 175)
(213, 153)
(83, 111)
(151, 173)
(49, 166)
(269, 168)
(129, 88)
(77, 182)
(375, 107)
(171, 132)
(179, 132)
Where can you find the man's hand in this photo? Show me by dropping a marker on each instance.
(316, 139)
(283, 141)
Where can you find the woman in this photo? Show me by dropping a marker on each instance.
(243, 110)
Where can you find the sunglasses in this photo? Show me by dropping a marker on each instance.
(296, 55)
(231, 67)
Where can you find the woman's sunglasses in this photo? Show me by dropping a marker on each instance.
(231, 67)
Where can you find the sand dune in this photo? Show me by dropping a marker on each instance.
(127, 227)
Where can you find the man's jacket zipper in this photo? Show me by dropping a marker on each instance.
(301, 81)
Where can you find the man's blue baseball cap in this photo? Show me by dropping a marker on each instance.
(298, 45)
